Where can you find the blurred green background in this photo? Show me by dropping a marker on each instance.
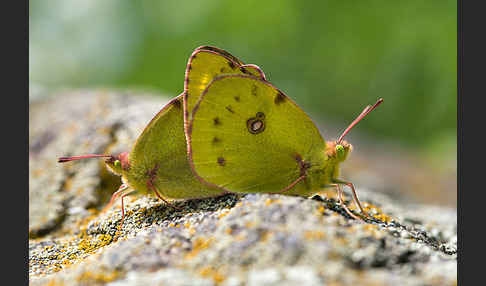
(332, 57)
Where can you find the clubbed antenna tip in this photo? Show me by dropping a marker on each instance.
(365, 112)
(68, 159)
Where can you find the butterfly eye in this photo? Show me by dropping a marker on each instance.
(256, 124)
(340, 151)
(117, 163)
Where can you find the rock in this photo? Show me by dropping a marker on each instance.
(253, 239)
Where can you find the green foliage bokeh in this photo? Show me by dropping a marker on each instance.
(332, 57)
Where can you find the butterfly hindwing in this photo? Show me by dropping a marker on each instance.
(162, 147)
(247, 136)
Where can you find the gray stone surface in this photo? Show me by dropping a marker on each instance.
(253, 239)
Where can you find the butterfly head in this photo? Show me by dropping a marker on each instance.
(338, 152)
(118, 163)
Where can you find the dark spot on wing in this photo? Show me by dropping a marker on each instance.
(216, 121)
(256, 124)
(221, 161)
(216, 140)
(222, 70)
(279, 98)
(231, 65)
(229, 109)
(237, 98)
(298, 158)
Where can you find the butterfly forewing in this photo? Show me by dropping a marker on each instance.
(247, 136)
(205, 64)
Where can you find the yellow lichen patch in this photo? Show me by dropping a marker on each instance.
(265, 236)
(223, 214)
(68, 184)
(89, 246)
(37, 173)
(271, 201)
(383, 217)
(198, 245)
(54, 282)
(373, 230)
(210, 272)
(321, 210)
(341, 240)
(314, 235)
(250, 224)
(98, 277)
(379, 213)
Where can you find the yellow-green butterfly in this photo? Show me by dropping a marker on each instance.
(246, 136)
(158, 160)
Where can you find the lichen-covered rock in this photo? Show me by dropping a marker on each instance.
(254, 239)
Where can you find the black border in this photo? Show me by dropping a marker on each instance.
(15, 155)
(460, 121)
(470, 156)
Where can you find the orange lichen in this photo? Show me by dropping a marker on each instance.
(212, 273)
(250, 224)
(198, 245)
(271, 201)
(54, 282)
(223, 214)
(265, 236)
(314, 234)
(89, 246)
(379, 213)
(102, 276)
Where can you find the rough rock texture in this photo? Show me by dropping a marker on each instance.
(253, 239)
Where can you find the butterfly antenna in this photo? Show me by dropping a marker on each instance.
(67, 159)
(365, 112)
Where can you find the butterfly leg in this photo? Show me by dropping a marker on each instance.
(341, 201)
(115, 195)
(355, 196)
(293, 184)
(123, 207)
(151, 186)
